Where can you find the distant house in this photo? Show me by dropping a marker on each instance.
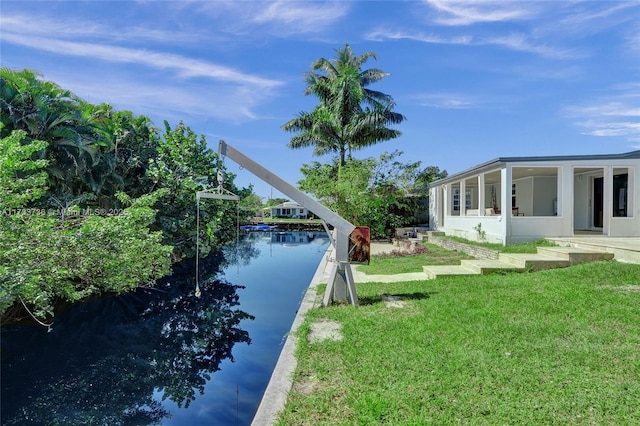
(289, 209)
(518, 199)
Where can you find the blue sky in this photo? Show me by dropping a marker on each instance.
(476, 80)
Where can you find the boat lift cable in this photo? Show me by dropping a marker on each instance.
(218, 193)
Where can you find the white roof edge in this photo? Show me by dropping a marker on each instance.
(503, 160)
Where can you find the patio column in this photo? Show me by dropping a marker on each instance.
(632, 208)
(481, 196)
(565, 203)
(463, 198)
(607, 202)
(505, 202)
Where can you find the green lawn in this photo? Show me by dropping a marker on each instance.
(412, 263)
(551, 347)
(436, 255)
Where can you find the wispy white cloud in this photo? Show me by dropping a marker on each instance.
(514, 41)
(278, 19)
(523, 43)
(301, 17)
(184, 66)
(69, 28)
(383, 35)
(615, 115)
(458, 13)
(445, 101)
(633, 42)
(600, 15)
(162, 100)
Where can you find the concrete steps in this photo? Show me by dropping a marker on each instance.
(437, 271)
(545, 258)
(575, 255)
(484, 267)
(623, 249)
(532, 261)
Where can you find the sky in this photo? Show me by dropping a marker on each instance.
(476, 80)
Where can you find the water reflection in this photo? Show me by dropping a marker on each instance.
(163, 356)
(102, 361)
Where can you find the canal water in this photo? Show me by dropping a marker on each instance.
(162, 356)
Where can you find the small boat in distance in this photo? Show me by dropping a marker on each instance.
(258, 227)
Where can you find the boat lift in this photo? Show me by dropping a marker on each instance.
(351, 243)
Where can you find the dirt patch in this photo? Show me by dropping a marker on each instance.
(623, 288)
(392, 301)
(307, 385)
(325, 330)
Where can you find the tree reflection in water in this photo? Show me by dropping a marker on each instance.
(103, 361)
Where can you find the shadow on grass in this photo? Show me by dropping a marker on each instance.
(370, 300)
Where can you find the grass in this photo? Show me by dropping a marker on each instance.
(436, 255)
(413, 263)
(550, 347)
(529, 247)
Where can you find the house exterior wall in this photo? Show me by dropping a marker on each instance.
(288, 209)
(552, 206)
(464, 227)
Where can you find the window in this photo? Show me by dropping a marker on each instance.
(467, 199)
(620, 186)
(456, 199)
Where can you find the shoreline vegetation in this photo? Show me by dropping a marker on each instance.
(95, 201)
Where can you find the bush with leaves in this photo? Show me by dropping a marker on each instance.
(184, 166)
(45, 260)
(370, 192)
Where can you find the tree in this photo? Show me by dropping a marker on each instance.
(80, 186)
(183, 166)
(21, 179)
(369, 192)
(275, 201)
(251, 204)
(77, 156)
(428, 175)
(44, 261)
(349, 115)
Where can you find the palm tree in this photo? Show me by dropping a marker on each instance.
(78, 154)
(349, 115)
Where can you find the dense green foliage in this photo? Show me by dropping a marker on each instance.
(378, 193)
(95, 200)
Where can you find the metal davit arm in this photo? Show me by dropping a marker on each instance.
(340, 285)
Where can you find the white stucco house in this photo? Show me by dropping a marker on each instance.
(288, 209)
(516, 199)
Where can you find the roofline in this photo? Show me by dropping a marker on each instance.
(504, 160)
(285, 205)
